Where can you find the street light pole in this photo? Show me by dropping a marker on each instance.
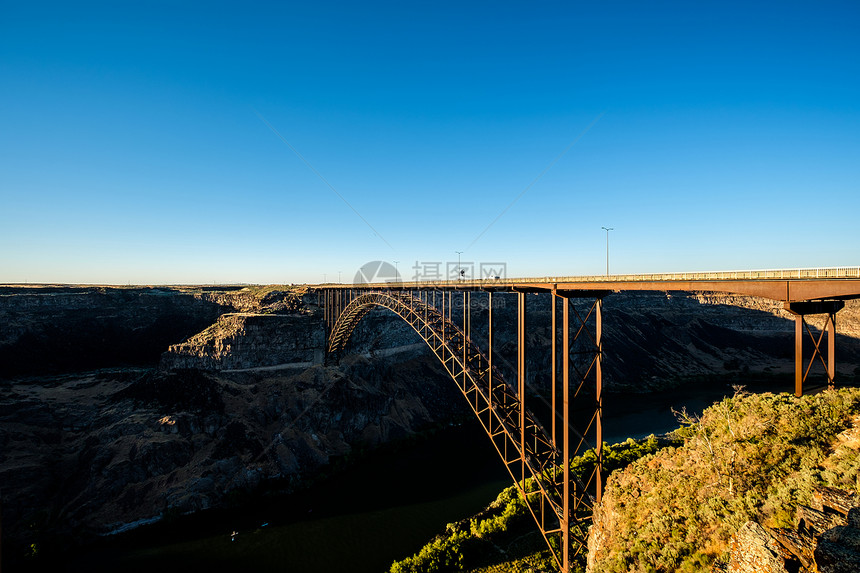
(396, 275)
(458, 264)
(607, 229)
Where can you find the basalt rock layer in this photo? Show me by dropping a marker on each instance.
(95, 453)
(240, 341)
(58, 329)
(825, 540)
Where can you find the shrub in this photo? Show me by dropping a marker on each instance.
(747, 457)
(467, 543)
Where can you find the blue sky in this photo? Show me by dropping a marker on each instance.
(709, 135)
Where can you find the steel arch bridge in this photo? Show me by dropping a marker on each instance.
(538, 456)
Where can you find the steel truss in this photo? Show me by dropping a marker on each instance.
(800, 310)
(538, 461)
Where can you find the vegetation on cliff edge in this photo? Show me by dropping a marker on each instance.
(504, 531)
(749, 457)
(675, 504)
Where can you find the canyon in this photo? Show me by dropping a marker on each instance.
(122, 405)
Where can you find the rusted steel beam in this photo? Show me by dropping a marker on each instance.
(490, 356)
(800, 310)
(554, 358)
(468, 304)
(777, 290)
(465, 336)
(521, 378)
(599, 391)
(831, 350)
(786, 290)
(798, 355)
(823, 289)
(565, 454)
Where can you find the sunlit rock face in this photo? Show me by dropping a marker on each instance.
(240, 341)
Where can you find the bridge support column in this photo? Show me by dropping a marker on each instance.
(800, 310)
(521, 379)
(582, 357)
(490, 428)
(565, 428)
(554, 358)
(598, 388)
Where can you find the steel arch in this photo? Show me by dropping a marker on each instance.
(520, 440)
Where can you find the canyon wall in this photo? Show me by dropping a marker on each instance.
(224, 389)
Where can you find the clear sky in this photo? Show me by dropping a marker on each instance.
(134, 144)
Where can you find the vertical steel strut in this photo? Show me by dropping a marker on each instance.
(554, 358)
(521, 378)
(800, 310)
(490, 359)
(565, 428)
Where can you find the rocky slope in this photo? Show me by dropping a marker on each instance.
(750, 458)
(826, 539)
(250, 340)
(93, 453)
(286, 338)
(51, 330)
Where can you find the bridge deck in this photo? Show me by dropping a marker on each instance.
(783, 285)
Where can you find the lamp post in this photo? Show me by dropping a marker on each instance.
(396, 275)
(607, 229)
(459, 274)
(338, 277)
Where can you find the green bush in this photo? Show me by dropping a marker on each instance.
(466, 544)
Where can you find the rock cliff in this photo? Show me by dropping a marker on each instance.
(56, 330)
(97, 452)
(724, 496)
(825, 540)
(249, 340)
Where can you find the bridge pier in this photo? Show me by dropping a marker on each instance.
(800, 310)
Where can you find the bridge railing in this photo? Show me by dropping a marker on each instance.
(771, 274)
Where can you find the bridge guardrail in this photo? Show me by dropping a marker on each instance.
(772, 274)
